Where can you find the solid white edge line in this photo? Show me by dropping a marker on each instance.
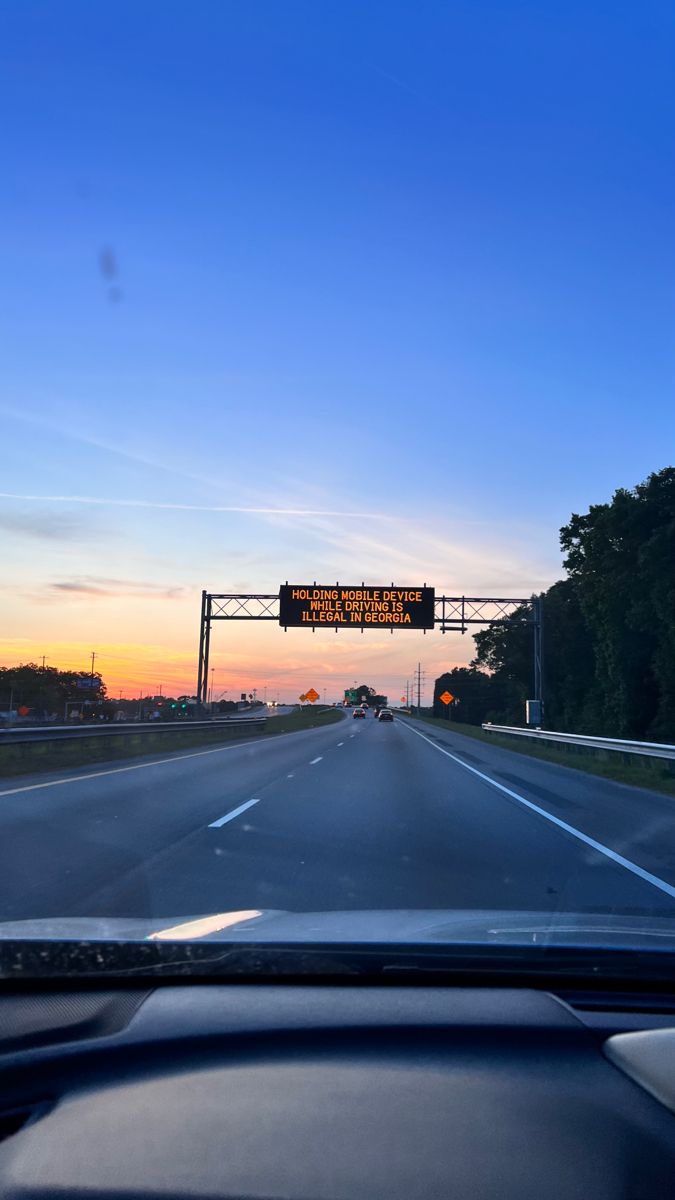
(231, 815)
(576, 833)
(156, 762)
(316, 760)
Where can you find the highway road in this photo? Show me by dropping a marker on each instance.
(355, 815)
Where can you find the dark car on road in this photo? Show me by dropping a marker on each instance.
(385, 714)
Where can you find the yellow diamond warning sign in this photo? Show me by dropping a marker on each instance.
(312, 695)
(447, 697)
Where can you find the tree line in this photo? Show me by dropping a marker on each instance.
(46, 689)
(609, 648)
(46, 693)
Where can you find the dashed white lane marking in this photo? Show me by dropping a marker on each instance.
(290, 776)
(340, 743)
(231, 815)
(576, 833)
(316, 760)
(156, 762)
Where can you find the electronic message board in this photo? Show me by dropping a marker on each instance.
(356, 607)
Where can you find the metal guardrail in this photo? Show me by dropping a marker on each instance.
(57, 733)
(645, 749)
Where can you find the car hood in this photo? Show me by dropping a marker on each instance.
(477, 927)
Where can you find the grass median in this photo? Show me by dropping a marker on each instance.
(27, 758)
(302, 718)
(657, 774)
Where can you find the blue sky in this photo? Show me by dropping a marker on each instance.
(407, 261)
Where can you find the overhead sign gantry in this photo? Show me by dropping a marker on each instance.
(334, 606)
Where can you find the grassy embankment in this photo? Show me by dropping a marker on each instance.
(27, 757)
(302, 718)
(654, 773)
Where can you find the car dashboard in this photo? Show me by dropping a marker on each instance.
(333, 1091)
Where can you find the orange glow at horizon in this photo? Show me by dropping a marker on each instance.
(135, 669)
(126, 667)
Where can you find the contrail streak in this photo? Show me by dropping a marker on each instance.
(212, 508)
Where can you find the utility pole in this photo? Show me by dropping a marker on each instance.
(419, 687)
(93, 659)
(43, 661)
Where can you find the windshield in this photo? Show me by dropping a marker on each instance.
(336, 507)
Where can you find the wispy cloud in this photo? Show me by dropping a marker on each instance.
(40, 421)
(415, 553)
(45, 526)
(400, 83)
(116, 502)
(96, 585)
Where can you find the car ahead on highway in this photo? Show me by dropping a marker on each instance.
(385, 714)
(359, 712)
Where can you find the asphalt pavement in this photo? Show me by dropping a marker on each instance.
(355, 815)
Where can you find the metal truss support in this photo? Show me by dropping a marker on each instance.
(204, 625)
(229, 607)
(454, 613)
(538, 624)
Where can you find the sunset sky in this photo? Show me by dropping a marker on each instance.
(306, 291)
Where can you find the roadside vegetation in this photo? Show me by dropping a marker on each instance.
(609, 644)
(302, 718)
(653, 773)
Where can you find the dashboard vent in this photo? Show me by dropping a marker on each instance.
(625, 1002)
(28, 1021)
